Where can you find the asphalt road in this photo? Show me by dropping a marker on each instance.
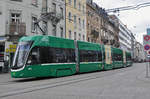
(124, 83)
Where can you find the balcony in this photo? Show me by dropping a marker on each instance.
(53, 16)
(104, 40)
(18, 29)
(56, 17)
(112, 42)
(95, 33)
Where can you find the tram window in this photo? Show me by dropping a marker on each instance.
(33, 57)
(128, 57)
(51, 55)
(83, 56)
(61, 55)
(70, 54)
(121, 57)
(89, 56)
(44, 57)
(117, 57)
(93, 55)
(104, 55)
(99, 56)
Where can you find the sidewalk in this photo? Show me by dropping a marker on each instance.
(143, 77)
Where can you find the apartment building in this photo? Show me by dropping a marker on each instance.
(139, 53)
(93, 22)
(110, 32)
(54, 25)
(101, 28)
(76, 19)
(125, 37)
(133, 44)
(17, 19)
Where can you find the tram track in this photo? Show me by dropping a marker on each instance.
(59, 83)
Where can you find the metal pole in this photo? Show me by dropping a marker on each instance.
(147, 68)
(46, 31)
(148, 65)
(65, 18)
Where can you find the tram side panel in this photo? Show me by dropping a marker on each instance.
(63, 55)
(50, 56)
(129, 59)
(117, 58)
(90, 57)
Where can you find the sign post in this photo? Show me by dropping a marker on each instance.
(148, 31)
(146, 40)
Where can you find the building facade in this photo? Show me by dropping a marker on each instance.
(133, 43)
(101, 28)
(139, 53)
(113, 29)
(125, 37)
(54, 24)
(17, 19)
(76, 19)
(93, 22)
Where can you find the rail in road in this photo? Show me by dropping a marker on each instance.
(56, 82)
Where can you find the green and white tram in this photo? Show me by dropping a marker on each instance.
(44, 56)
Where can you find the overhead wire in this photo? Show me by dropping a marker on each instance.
(134, 7)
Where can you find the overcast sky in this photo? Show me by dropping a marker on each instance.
(136, 20)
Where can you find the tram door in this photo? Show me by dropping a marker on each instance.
(108, 57)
